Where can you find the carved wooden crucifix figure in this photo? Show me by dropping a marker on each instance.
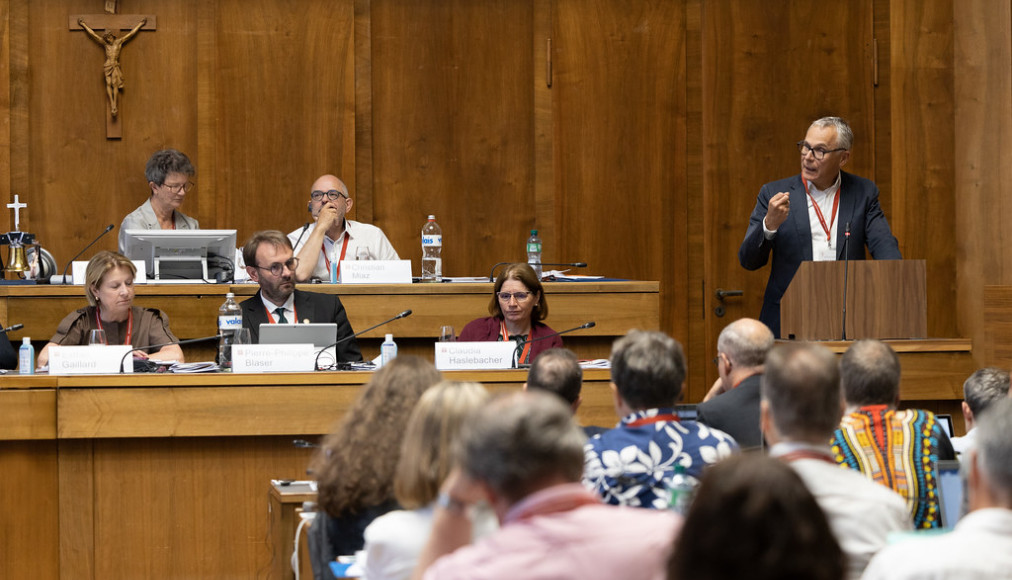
(113, 45)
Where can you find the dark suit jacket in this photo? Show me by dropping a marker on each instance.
(793, 242)
(736, 413)
(8, 356)
(308, 305)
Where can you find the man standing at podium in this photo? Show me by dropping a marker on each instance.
(807, 217)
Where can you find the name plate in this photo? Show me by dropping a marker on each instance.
(375, 272)
(273, 358)
(463, 356)
(89, 360)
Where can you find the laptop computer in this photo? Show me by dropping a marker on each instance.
(320, 334)
(950, 492)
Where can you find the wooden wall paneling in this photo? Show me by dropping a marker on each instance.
(619, 110)
(882, 173)
(922, 150)
(29, 521)
(544, 143)
(983, 165)
(77, 510)
(285, 97)
(79, 180)
(211, 207)
(453, 129)
(364, 192)
(769, 70)
(187, 507)
(5, 111)
(16, 61)
(698, 347)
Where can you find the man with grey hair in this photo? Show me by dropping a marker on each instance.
(633, 464)
(732, 405)
(980, 390)
(896, 448)
(522, 454)
(830, 206)
(980, 546)
(801, 406)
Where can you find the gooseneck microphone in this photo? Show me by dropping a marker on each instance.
(12, 328)
(304, 228)
(316, 364)
(523, 343)
(846, 266)
(180, 342)
(108, 229)
(491, 275)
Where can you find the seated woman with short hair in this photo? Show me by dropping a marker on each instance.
(109, 287)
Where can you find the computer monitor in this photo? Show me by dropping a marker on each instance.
(183, 255)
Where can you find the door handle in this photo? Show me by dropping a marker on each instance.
(722, 294)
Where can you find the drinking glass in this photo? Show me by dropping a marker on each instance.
(446, 334)
(96, 337)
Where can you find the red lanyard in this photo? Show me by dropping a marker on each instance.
(270, 316)
(818, 212)
(326, 258)
(655, 419)
(130, 325)
(506, 337)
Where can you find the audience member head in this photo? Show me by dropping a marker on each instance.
(525, 275)
(741, 350)
(521, 443)
(647, 370)
(101, 264)
(990, 474)
(801, 399)
(271, 264)
(558, 371)
(981, 390)
(355, 464)
(426, 454)
(328, 190)
(163, 163)
(754, 518)
(274, 238)
(870, 373)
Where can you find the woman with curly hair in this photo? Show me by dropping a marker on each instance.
(355, 464)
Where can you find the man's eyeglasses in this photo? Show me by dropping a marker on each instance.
(818, 152)
(277, 268)
(332, 195)
(520, 296)
(179, 187)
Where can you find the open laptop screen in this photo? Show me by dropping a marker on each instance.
(950, 492)
(320, 334)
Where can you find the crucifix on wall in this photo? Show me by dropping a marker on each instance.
(113, 45)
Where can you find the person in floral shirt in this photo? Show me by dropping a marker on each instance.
(633, 463)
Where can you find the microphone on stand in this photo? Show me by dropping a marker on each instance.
(846, 266)
(304, 228)
(63, 279)
(12, 328)
(180, 342)
(491, 275)
(522, 343)
(316, 364)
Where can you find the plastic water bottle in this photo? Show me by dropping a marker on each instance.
(388, 350)
(432, 248)
(229, 320)
(683, 490)
(534, 252)
(26, 357)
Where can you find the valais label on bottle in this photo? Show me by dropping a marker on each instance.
(230, 322)
(432, 241)
(532, 247)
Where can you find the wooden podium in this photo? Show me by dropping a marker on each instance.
(885, 299)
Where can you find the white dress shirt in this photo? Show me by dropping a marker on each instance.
(365, 242)
(861, 513)
(822, 249)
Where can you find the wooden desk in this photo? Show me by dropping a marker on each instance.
(192, 309)
(109, 477)
(286, 505)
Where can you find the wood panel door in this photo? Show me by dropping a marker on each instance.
(769, 70)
